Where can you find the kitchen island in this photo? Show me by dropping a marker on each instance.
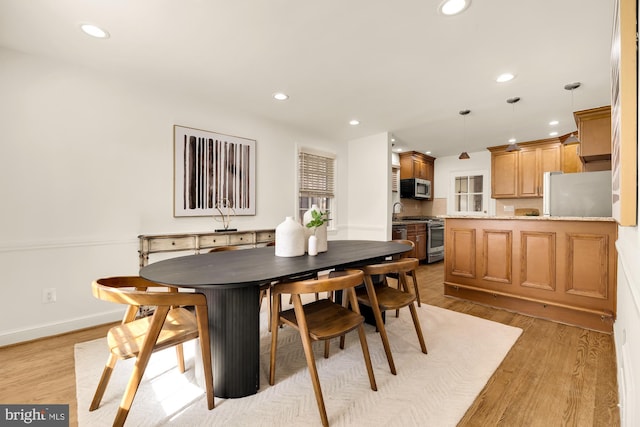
(557, 268)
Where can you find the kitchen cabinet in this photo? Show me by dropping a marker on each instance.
(416, 165)
(534, 161)
(571, 162)
(504, 177)
(417, 233)
(594, 132)
(558, 269)
(518, 174)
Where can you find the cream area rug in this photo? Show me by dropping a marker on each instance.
(432, 389)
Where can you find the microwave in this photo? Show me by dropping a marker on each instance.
(415, 188)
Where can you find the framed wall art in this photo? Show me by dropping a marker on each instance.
(214, 174)
(624, 108)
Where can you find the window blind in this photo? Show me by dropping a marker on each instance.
(316, 175)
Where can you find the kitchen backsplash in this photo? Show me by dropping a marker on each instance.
(507, 207)
(413, 207)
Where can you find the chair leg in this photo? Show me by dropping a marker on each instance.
(180, 357)
(205, 349)
(311, 362)
(104, 380)
(141, 364)
(373, 299)
(275, 319)
(412, 273)
(416, 323)
(367, 357)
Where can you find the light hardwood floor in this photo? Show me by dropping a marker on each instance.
(555, 375)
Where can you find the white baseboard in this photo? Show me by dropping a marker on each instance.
(42, 331)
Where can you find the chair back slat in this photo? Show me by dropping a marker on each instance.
(351, 279)
(403, 265)
(133, 290)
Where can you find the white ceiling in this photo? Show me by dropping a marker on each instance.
(396, 66)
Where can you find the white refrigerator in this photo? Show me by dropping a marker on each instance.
(586, 194)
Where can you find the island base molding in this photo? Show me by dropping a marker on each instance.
(596, 320)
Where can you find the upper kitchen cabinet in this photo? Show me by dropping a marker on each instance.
(416, 165)
(594, 132)
(518, 174)
(504, 179)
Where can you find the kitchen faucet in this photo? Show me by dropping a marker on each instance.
(393, 210)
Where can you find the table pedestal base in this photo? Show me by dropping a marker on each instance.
(234, 331)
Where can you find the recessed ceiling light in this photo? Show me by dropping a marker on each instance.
(554, 133)
(354, 122)
(512, 140)
(553, 122)
(505, 77)
(453, 7)
(281, 96)
(94, 31)
(427, 152)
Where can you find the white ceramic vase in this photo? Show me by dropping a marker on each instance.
(290, 238)
(313, 245)
(320, 232)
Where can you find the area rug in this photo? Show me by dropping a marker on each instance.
(432, 389)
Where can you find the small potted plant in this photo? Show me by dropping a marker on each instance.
(318, 219)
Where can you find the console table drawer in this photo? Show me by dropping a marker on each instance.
(211, 241)
(265, 236)
(241, 239)
(163, 244)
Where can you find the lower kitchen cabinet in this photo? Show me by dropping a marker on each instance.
(558, 269)
(417, 233)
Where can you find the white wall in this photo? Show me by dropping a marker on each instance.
(86, 165)
(369, 188)
(447, 166)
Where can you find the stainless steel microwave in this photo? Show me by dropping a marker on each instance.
(415, 188)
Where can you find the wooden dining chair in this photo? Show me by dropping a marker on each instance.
(319, 320)
(169, 326)
(408, 254)
(381, 297)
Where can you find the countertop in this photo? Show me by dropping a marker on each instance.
(532, 218)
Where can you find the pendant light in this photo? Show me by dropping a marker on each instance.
(572, 139)
(514, 145)
(464, 155)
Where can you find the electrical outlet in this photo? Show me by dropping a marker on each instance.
(49, 295)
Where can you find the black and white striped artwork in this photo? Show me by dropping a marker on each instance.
(214, 174)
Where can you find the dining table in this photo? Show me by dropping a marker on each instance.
(231, 282)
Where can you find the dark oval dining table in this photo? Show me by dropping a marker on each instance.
(231, 281)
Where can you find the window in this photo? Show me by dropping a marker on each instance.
(316, 177)
(469, 194)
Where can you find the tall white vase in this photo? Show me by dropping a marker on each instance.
(320, 232)
(290, 238)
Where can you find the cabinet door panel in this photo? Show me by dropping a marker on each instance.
(528, 173)
(504, 175)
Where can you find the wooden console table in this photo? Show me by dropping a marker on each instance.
(158, 243)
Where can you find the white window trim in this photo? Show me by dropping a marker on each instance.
(486, 185)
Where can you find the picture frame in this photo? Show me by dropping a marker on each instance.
(214, 174)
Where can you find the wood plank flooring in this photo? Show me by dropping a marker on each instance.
(555, 375)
